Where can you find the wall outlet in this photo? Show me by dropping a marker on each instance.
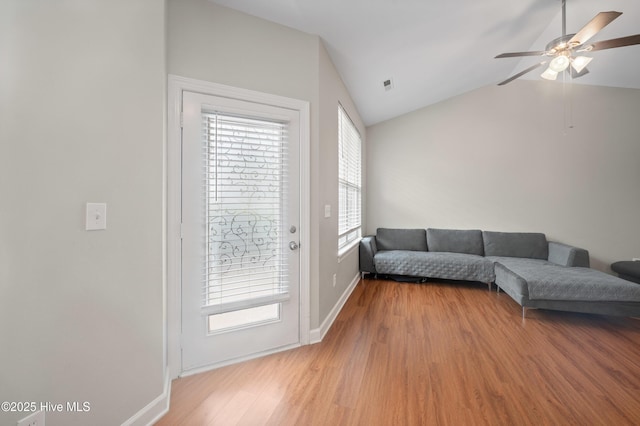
(33, 419)
(334, 280)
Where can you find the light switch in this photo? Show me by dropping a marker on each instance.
(96, 216)
(327, 210)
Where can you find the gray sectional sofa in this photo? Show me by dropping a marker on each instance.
(534, 272)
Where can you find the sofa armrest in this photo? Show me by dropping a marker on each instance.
(368, 250)
(566, 255)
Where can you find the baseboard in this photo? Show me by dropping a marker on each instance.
(317, 334)
(154, 410)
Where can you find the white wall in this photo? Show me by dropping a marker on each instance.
(501, 158)
(81, 120)
(214, 43)
(332, 92)
(217, 44)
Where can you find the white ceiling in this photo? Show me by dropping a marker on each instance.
(433, 50)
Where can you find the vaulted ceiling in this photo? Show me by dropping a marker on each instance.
(434, 50)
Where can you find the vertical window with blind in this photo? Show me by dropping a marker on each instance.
(349, 182)
(245, 189)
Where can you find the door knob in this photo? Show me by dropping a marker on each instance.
(293, 245)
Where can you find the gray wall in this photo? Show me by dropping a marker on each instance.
(332, 92)
(217, 44)
(501, 158)
(81, 120)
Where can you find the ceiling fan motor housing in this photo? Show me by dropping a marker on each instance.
(560, 45)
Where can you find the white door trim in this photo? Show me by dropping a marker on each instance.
(176, 85)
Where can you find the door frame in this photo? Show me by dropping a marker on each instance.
(176, 86)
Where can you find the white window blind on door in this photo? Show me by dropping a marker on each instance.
(349, 180)
(245, 189)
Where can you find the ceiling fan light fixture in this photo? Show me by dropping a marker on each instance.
(560, 50)
(549, 74)
(559, 63)
(579, 62)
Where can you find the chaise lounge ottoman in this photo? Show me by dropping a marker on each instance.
(544, 285)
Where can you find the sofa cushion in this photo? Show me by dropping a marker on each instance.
(451, 266)
(401, 239)
(467, 241)
(516, 244)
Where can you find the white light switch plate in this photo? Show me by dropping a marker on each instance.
(96, 216)
(327, 210)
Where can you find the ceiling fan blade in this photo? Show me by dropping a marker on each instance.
(614, 42)
(576, 74)
(521, 73)
(600, 21)
(516, 54)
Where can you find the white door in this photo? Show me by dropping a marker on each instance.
(240, 230)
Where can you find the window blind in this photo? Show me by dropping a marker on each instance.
(245, 187)
(349, 180)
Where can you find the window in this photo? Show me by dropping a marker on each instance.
(244, 183)
(349, 182)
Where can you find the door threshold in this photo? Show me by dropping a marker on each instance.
(209, 367)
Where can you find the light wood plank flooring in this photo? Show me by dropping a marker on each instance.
(437, 353)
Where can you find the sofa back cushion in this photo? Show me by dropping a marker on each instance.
(531, 245)
(401, 239)
(455, 240)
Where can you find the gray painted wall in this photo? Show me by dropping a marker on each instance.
(501, 158)
(81, 120)
(332, 92)
(217, 44)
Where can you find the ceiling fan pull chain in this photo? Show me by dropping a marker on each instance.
(565, 119)
(567, 101)
(571, 101)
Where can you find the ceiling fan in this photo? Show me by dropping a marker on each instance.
(563, 52)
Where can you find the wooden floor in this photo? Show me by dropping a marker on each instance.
(436, 353)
